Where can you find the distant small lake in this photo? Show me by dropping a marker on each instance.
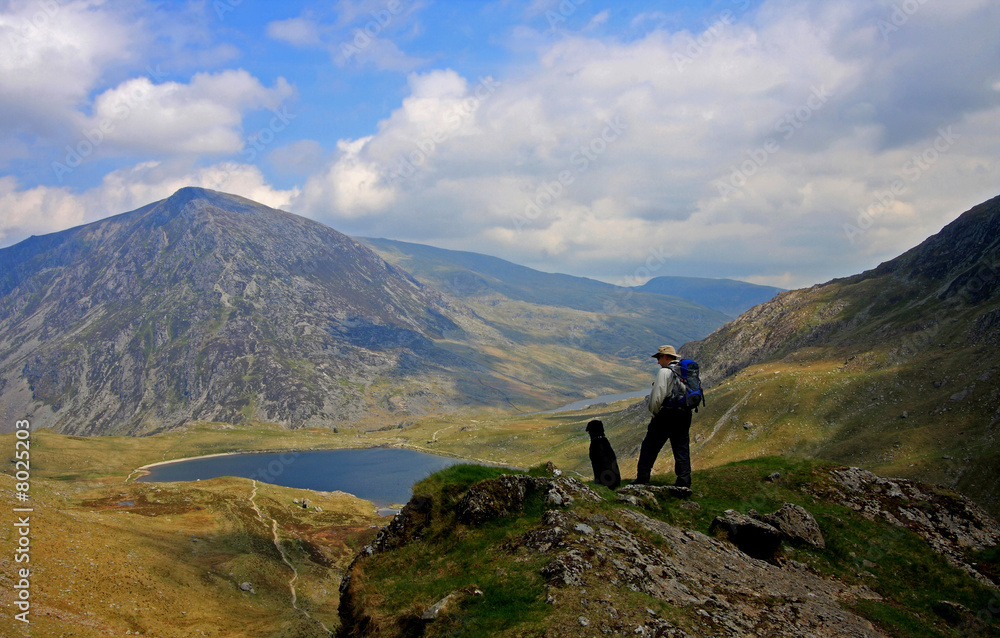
(384, 476)
(606, 398)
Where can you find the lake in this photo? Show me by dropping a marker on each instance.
(384, 476)
(605, 398)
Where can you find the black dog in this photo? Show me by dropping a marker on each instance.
(602, 457)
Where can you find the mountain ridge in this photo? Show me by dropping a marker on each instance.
(208, 306)
(894, 369)
(196, 284)
(729, 296)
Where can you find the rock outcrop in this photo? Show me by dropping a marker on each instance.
(756, 538)
(593, 558)
(951, 523)
(795, 523)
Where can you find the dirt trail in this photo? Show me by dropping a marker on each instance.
(284, 557)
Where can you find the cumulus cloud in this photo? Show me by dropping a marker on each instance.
(51, 55)
(201, 117)
(45, 209)
(784, 145)
(754, 142)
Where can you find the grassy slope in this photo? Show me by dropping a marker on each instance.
(397, 586)
(894, 370)
(168, 559)
(928, 413)
(555, 338)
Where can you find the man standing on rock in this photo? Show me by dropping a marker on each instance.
(667, 423)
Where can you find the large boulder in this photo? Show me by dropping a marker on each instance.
(755, 538)
(795, 523)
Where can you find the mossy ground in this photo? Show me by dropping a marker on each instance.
(913, 580)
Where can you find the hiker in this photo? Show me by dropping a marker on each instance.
(667, 423)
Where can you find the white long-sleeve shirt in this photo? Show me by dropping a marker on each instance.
(662, 388)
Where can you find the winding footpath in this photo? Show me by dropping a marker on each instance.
(284, 557)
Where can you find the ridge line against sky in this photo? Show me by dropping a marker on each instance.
(777, 142)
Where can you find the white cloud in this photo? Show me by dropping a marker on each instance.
(51, 55)
(299, 32)
(44, 209)
(36, 211)
(203, 117)
(608, 151)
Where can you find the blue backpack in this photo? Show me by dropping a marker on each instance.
(687, 392)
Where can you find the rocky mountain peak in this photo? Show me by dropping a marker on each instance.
(202, 306)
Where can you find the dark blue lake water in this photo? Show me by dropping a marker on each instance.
(384, 476)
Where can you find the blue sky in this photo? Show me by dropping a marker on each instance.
(777, 142)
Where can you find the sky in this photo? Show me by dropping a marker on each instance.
(777, 142)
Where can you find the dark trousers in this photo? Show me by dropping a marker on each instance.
(675, 425)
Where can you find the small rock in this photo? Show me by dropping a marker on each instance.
(748, 425)
(434, 610)
(773, 477)
(690, 506)
(247, 587)
(584, 621)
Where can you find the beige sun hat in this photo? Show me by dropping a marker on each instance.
(667, 350)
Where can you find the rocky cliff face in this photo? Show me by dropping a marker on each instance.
(209, 306)
(605, 569)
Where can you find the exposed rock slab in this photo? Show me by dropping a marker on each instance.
(951, 523)
(733, 594)
(505, 495)
(795, 523)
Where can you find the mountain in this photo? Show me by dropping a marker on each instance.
(203, 306)
(728, 296)
(604, 318)
(208, 306)
(894, 369)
